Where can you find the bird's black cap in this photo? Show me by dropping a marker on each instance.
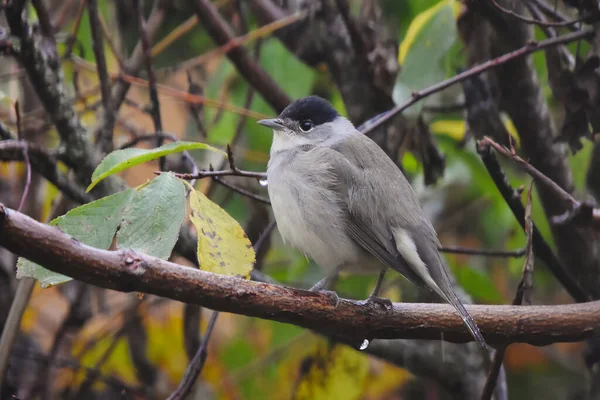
(318, 110)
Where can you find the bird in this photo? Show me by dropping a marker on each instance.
(339, 199)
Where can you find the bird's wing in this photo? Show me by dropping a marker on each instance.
(385, 218)
(368, 218)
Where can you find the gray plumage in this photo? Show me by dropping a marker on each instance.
(338, 198)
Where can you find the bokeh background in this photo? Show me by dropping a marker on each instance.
(78, 341)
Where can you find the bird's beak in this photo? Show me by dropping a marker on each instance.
(271, 123)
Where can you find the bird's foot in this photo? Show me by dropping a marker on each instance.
(330, 293)
(383, 302)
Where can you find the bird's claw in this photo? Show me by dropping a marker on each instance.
(383, 302)
(332, 295)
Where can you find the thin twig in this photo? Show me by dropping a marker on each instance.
(45, 378)
(483, 252)
(534, 21)
(241, 191)
(25, 159)
(529, 48)
(63, 362)
(236, 42)
(195, 368)
(523, 294)
(196, 110)
(155, 104)
(133, 64)
(91, 378)
(540, 246)
(72, 39)
(227, 172)
(44, 164)
(105, 133)
(562, 194)
(111, 43)
(552, 12)
(222, 34)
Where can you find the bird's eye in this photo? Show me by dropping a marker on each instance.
(306, 125)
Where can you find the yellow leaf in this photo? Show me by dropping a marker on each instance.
(417, 24)
(223, 247)
(333, 371)
(456, 128)
(453, 128)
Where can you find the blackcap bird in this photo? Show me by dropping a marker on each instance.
(338, 198)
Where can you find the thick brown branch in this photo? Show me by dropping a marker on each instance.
(349, 321)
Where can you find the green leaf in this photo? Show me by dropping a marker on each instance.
(151, 222)
(120, 160)
(93, 224)
(428, 39)
(478, 284)
(223, 247)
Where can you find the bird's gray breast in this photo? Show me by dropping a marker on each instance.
(307, 197)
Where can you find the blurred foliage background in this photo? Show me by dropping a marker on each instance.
(107, 345)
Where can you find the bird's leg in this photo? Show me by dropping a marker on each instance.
(374, 296)
(326, 283)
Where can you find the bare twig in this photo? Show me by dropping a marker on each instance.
(241, 191)
(155, 104)
(523, 294)
(13, 322)
(349, 321)
(584, 212)
(540, 246)
(133, 64)
(25, 159)
(130, 314)
(236, 42)
(196, 110)
(105, 134)
(44, 164)
(61, 362)
(111, 43)
(193, 370)
(45, 378)
(237, 172)
(531, 47)
(220, 31)
(483, 252)
(73, 38)
(552, 12)
(562, 194)
(534, 21)
(227, 172)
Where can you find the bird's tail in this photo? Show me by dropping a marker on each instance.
(466, 317)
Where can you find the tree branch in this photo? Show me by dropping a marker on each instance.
(529, 48)
(44, 164)
(221, 33)
(105, 134)
(350, 321)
